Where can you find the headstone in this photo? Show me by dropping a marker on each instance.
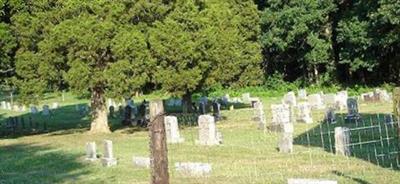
(259, 115)
(304, 113)
(46, 110)
(330, 116)
(8, 106)
(225, 100)
(368, 97)
(311, 181)
(55, 105)
(342, 141)
(280, 115)
(290, 99)
(3, 105)
(330, 100)
(315, 101)
(15, 108)
(172, 129)
(111, 110)
(389, 120)
(246, 98)
(127, 120)
(382, 95)
(352, 109)
(143, 162)
(302, 94)
(193, 169)
(396, 102)
(216, 110)
(108, 158)
(91, 154)
(34, 110)
(130, 103)
(231, 107)
(341, 100)
(208, 134)
(286, 138)
(202, 108)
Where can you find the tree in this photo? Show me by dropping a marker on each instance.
(203, 44)
(296, 38)
(98, 48)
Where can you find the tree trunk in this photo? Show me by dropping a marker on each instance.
(187, 103)
(99, 112)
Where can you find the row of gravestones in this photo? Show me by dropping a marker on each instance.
(18, 125)
(108, 160)
(378, 95)
(318, 100)
(33, 109)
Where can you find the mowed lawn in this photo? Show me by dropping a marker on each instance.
(247, 155)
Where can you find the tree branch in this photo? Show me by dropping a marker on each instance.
(7, 71)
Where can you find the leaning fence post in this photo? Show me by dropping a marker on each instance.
(342, 141)
(158, 144)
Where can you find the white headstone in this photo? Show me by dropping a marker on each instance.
(193, 169)
(172, 129)
(280, 115)
(246, 98)
(341, 100)
(55, 105)
(3, 105)
(304, 113)
(208, 134)
(91, 154)
(259, 115)
(8, 106)
(290, 98)
(330, 100)
(141, 162)
(108, 158)
(302, 94)
(315, 101)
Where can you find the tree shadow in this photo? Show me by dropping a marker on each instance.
(63, 120)
(26, 163)
(358, 180)
(372, 138)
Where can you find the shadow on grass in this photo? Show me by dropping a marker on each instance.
(358, 180)
(371, 139)
(24, 163)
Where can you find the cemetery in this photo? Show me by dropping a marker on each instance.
(199, 92)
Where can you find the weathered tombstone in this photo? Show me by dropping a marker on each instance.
(225, 100)
(286, 139)
(216, 110)
(341, 100)
(130, 103)
(304, 113)
(330, 116)
(315, 101)
(202, 108)
(111, 111)
(193, 169)
(8, 106)
(259, 115)
(121, 111)
(280, 115)
(231, 107)
(342, 141)
(91, 154)
(108, 158)
(310, 181)
(143, 162)
(302, 94)
(246, 98)
(34, 109)
(3, 105)
(46, 110)
(172, 130)
(15, 108)
(368, 97)
(208, 134)
(330, 100)
(396, 102)
(352, 109)
(381, 95)
(127, 120)
(55, 105)
(290, 99)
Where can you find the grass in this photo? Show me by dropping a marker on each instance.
(247, 155)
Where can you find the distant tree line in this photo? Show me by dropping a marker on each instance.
(114, 48)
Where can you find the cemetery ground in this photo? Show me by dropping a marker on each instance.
(247, 155)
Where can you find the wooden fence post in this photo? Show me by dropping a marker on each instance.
(158, 144)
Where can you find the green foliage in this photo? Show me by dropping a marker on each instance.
(203, 45)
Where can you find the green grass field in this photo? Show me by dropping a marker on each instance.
(247, 155)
